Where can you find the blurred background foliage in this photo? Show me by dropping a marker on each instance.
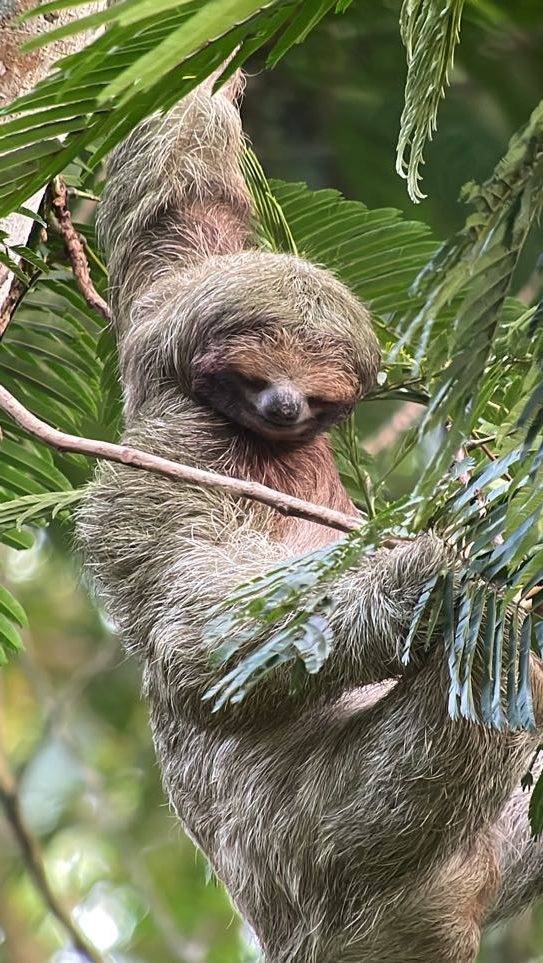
(72, 725)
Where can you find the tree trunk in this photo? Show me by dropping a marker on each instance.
(19, 72)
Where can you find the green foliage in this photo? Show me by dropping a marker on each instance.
(31, 508)
(378, 253)
(11, 615)
(151, 54)
(292, 634)
(463, 290)
(430, 31)
(356, 467)
(57, 358)
(270, 222)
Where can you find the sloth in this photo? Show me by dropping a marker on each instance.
(349, 817)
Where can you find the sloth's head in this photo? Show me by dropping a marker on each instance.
(285, 384)
(272, 342)
(283, 348)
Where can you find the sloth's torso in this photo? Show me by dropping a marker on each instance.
(271, 808)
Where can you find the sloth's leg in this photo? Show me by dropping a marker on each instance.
(521, 859)
(411, 785)
(411, 799)
(521, 854)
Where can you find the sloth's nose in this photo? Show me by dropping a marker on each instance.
(281, 404)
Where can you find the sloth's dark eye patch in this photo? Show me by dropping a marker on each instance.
(318, 402)
(256, 384)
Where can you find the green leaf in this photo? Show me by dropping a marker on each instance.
(535, 809)
(36, 507)
(524, 694)
(271, 217)
(454, 654)
(34, 462)
(213, 20)
(11, 609)
(471, 640)
(430, 30)
(9, 636)
(418, 612)
(497, 716)
(20, 540)
(362, 246)
(310, 14)
(488, 655)
(513, 714)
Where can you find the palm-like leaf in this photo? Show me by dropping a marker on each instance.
(55, 358)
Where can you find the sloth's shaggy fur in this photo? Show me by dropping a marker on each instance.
(351, 820)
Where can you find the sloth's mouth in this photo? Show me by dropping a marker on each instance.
(289, 427)
(280, 432)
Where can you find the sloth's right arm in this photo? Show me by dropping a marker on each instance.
(174, 194)
(163, 557)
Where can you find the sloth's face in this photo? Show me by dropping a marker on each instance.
(279, 388)
(276, 410)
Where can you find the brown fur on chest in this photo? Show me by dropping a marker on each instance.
(308, 472)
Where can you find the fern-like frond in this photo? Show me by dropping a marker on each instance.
(430, 31)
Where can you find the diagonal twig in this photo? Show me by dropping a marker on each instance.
(75, 248)
(126, 455)
(33, 861)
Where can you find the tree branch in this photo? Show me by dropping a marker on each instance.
(75, 249)
(33, 860)
(15, 295)
(20, 286)
(20, 71)
(125, 455)
(404, 418)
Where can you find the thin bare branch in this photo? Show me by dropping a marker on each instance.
(125, 455)
(75, 249)
(33, 861)
(473, 443)
(404, 418)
